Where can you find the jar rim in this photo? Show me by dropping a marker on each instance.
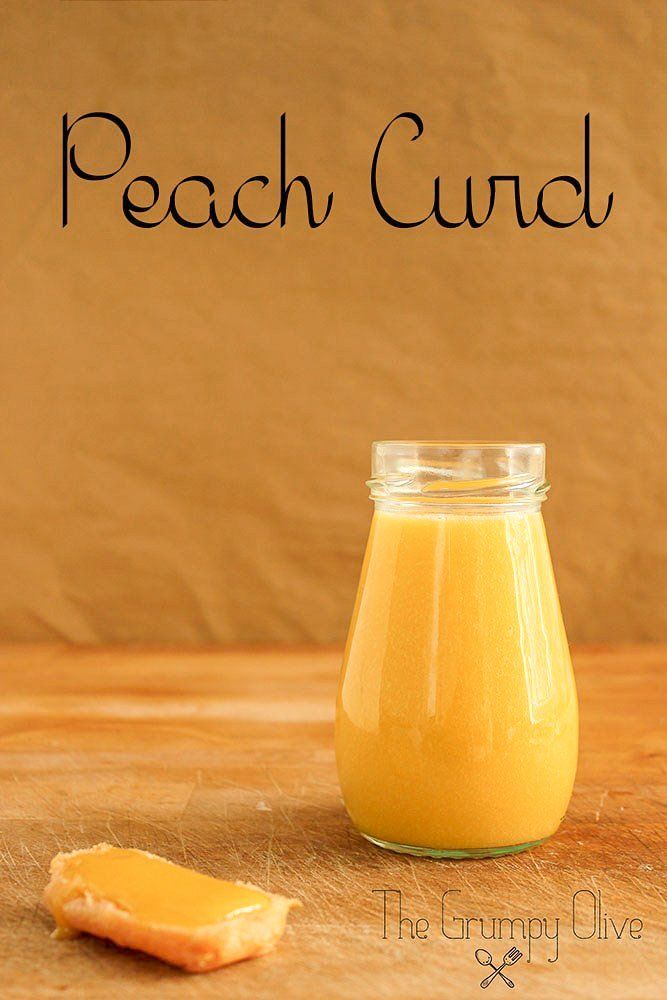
(460, 473)
(459, 444)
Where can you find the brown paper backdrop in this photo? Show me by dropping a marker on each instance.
(187, 415)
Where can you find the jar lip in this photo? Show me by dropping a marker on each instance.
(458, 472)
(398, 442)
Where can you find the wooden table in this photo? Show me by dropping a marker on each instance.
(223, 760)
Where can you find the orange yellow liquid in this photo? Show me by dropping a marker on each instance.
(153, 890)
(457, 722)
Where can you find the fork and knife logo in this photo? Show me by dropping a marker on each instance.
(485, 957)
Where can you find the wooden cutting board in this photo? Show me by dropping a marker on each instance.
(224, 760)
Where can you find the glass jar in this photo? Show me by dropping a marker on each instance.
(457, 718)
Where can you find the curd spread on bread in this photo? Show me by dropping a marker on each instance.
(154, 891)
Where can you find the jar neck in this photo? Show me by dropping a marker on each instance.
(461, 508)
(447, 477)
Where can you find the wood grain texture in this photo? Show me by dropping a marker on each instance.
(224, 760)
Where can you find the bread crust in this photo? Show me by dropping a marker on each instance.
(246, 935)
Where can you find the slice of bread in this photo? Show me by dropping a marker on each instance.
(197, 949)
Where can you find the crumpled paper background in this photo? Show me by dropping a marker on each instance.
(186, 416)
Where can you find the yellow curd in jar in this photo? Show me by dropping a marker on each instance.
(457, 723)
